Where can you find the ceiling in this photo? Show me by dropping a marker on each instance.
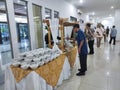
(102, 8)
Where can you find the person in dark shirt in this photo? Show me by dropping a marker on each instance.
(82, 49)
(47, 41)
(113, 34)
(107, 31)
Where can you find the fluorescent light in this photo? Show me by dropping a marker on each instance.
(81, 1)
(112, 7)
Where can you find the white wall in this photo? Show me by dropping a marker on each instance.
(109, 21)
(117, 23)
(65, 9)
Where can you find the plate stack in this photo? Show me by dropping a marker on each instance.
(36, 58)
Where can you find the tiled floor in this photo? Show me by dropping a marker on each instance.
(1, 80)
(103, 71)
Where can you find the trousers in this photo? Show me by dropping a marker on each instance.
(114, 40)
(91, 46)
(83, 62)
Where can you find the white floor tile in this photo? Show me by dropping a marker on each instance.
(89, 87)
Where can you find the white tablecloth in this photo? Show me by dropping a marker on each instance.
(33, 81)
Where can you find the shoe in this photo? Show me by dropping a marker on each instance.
(90, 53)
(80, 74)
(80, 70)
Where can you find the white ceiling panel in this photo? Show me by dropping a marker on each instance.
(100, 7)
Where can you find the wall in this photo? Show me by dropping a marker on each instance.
(109, 21)
(106, 21)
(65, 9)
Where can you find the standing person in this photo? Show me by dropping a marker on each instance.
(82, 49)
(89, 32)
(99, 35)
(107, 31)
(47, 40)
(104, 32)
(113, 35)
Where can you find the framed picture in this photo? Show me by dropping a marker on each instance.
(48, 13)
(56, 14)
(73, 19)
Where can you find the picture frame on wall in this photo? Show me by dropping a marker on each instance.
(56, 14)
(48, 13)
(73, 19)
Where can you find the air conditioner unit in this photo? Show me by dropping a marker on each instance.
(79, 12)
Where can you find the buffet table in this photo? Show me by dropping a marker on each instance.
(46, 77)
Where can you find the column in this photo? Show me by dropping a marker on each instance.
(12, 24)
(117, 23)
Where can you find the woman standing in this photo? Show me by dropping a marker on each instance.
(89, 32)
(99, 35)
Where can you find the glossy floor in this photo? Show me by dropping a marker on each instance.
(103, 71)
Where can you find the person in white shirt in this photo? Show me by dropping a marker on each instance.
(99, 35)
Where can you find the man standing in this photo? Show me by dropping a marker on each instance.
(113, 35)
(82, 49)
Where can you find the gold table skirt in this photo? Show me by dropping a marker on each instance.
(71, 55)
(50, 72)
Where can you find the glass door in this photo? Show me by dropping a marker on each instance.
(21, 18)
(5, 40)
(37, 13)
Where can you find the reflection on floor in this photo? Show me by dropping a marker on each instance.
(103, 71)
(1, 80)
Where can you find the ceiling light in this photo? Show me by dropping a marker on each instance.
(108, 73)
(25, 7)
(78, 11)
(112, 7)
(81, 1)
(18, 1)
(93, 13)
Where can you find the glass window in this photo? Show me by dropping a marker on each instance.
(5, 41)
(56, 14)
(37, 13)
(21, 18)
(48, 13)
